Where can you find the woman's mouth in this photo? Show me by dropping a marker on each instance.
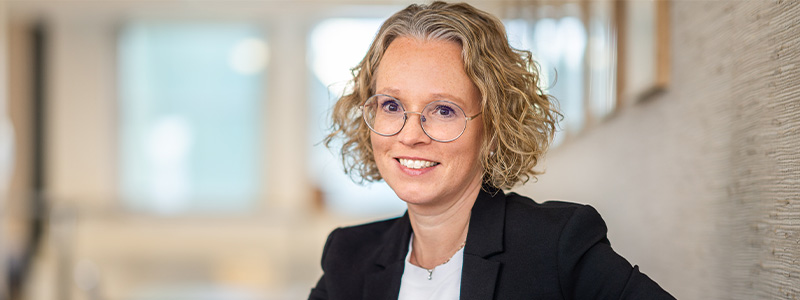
(416, 163)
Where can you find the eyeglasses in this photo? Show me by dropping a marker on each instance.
(443, 121)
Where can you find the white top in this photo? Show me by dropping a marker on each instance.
(445, 282)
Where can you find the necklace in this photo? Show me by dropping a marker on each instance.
(430, 271)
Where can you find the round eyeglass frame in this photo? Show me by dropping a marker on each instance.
(405, 118)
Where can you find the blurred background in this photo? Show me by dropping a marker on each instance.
(170, 149)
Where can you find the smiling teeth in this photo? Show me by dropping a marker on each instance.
(416, 164)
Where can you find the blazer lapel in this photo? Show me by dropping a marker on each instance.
(478, 278)
(384, 283)
(485, 238)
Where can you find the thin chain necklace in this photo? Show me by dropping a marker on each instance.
(430, 271)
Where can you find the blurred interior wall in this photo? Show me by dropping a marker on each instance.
(5, 162)
(20, 190)
(699, 185)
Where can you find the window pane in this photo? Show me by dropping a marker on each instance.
(190, 102)
(602, 61)
(558, 44)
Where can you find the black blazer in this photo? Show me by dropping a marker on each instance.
(516, 249)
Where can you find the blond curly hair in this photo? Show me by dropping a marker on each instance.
(519, 117)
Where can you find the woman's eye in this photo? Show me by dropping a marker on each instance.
(390, 106)
(444, 111)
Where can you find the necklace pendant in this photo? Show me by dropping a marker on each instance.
(430, 273)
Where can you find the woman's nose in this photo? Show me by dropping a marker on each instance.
(412, 133)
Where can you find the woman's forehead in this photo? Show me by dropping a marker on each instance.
(428, 70)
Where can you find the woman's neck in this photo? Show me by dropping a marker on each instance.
(440, 231)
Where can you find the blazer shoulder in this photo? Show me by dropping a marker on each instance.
(555, 212)
(551, 221)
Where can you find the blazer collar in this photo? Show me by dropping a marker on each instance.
(384, 283)
(395, 245)
(486, 225)
(485, 238)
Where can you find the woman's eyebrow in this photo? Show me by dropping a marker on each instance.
(447, 96)
(435, 96)
(389, 91)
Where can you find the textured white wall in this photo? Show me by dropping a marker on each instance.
(698, 185)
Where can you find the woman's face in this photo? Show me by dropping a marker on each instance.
(420, 170)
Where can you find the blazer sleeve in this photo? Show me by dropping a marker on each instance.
(590, 269)
(320, 292)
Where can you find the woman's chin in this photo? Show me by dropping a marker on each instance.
(413, 197)
(410, 199)
(413, 201)
(418, 200)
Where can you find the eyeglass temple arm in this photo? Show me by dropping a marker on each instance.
(475, 116)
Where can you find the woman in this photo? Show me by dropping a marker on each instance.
(448, 114)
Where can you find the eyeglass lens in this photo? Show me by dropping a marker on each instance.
(441, 120)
